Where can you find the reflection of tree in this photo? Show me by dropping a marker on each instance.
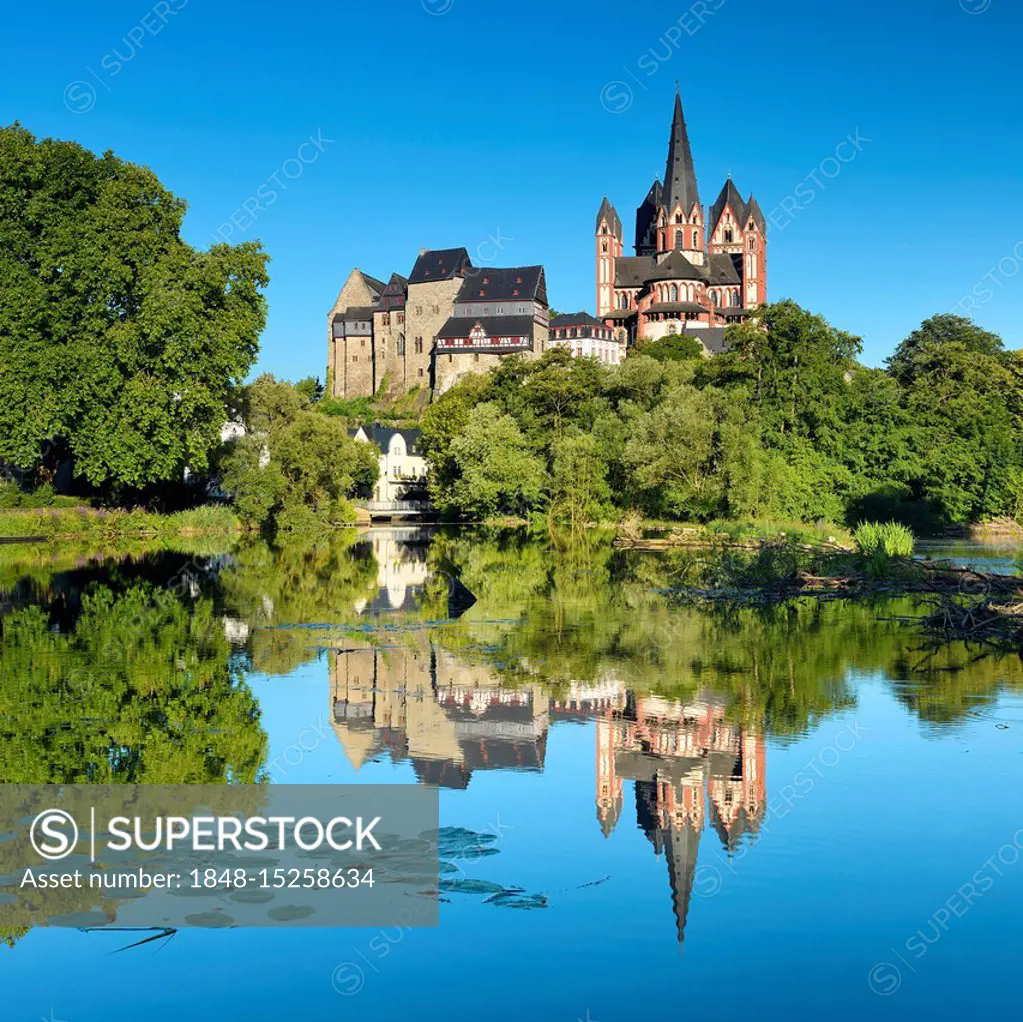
(586, 610)
(140, 689)
(268, 587)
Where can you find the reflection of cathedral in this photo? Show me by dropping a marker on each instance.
(450, 717)
(680, 756)
(689, 766)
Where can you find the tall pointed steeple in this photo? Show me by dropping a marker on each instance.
(679, 174)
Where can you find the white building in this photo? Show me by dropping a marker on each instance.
(586, 337)
(402, 468)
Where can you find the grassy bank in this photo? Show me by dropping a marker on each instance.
(94, 523)
(744, 535)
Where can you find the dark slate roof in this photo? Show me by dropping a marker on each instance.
(753, 210)
(504, 285)
(621, 314)
(679, 174)
(729, 197)
(382, 435)
(440, 264)
(731, 312)
(713, 338)
(395, 293)
(675, 266)
(646, 221)
(722, 268)
(608, 212)
(633, 271)
(575, 319)
(493, 326)
(374, 284)
(676, 307)
(359, 312)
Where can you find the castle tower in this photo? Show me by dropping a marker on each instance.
(609, 248)
(680, 225)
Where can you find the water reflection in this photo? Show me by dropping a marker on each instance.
(453, 653)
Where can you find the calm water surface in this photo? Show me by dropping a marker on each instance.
(780, 813)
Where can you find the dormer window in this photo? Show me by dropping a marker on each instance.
(518, 280)
(485, 280)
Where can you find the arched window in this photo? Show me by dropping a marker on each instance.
(678, 239)
(674, 292)
(717, 297)
(729, 235)
(624, 302)
(696, 239)
(678, 218)
(752, 244)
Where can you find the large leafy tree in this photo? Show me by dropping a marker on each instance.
(120, 345)
(964, 393)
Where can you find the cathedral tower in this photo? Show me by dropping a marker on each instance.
(609, 248)
(680, 218)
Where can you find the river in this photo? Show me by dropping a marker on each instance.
(783, 812)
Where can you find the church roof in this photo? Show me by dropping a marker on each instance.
(679, 174)
(722, 268)
(609, 213)
(729, 197)
(676, 307)
(633, 271)
(504, 285)
(675, 266)
(753, 210)
(646, 220)
(439, 264)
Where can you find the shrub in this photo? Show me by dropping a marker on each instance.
(888, 538)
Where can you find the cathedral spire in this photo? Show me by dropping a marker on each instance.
(679, 174)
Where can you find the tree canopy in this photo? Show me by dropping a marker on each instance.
(787, 425)
(120, 345)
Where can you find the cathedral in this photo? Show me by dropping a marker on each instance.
(694, 271)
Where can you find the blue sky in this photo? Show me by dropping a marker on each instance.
(500, 124)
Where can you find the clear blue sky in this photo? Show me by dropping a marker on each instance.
(452, 122)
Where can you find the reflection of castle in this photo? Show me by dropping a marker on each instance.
(448, 717)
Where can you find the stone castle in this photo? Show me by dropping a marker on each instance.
(695, 271)
(446, 319)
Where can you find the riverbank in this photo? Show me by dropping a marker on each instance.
(637, 534)
(84, 522)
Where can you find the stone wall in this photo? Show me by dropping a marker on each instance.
(356, 292)
(428, 308)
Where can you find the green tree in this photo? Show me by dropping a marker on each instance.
(579, 489)
(497, 474)
(120, 345)
(673, 348)
(295, 469)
